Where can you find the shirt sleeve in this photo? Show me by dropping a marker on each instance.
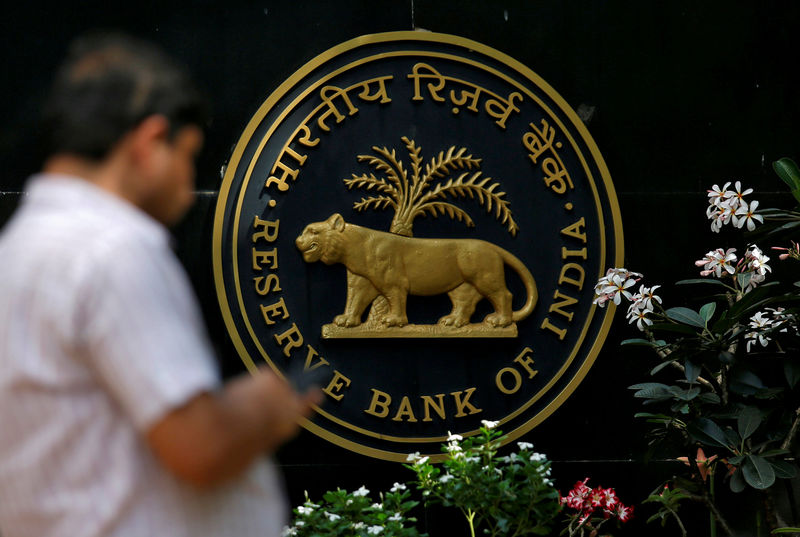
(143, 332)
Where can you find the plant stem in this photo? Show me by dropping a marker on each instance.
(470, 517)
(793, 431)
(713, 521)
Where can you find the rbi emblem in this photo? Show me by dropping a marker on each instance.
(416, 221)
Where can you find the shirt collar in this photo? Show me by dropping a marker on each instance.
(67, 191)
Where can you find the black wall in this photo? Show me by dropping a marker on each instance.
(679, 95)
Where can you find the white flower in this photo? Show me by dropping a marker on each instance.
(760, 324)
(538, 457)
(746, 215)
(358, 525)
(757, 261)
(716, 261)
(646, 297)
(377, 506)
(445, 478)
(300, 523)
(472, 459)
(374, 530)
(412, 457)
(524, 445)
(397, 487)
(489, 424)
(303, 510)
(361, 492)
(739, 195)
(453, 447)
(718, 195)
(421, 461)
(454, 437)
(287, 531)
(397, 517)
(332, 517)
(613, 286)
(640, 317)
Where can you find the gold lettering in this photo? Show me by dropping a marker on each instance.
(561, 332)
(526, 361)
(404, 410)
(500, 109)
(473, 105)
(268, 284)
(464, 403)
(269, 229)
(305, 139)
(563, 278)
(312, 353)
(574, 230)
(428, 404)
(556, 177)
(501, 385)
(269, 312)
(328, 94)
(264, 257)
(379, 400)
(573, 253)
(538, 141)
(567, 301)
(337, 383)
(285, 169)
(379, 94)
(431, 74)
(294, 337)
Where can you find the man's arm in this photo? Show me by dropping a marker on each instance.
(216, 436)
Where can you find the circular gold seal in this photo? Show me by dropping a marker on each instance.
(415, 222)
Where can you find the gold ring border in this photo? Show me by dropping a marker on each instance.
(541, 84)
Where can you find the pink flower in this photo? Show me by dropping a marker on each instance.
(624, 513)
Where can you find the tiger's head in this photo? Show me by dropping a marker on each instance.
(322, 240)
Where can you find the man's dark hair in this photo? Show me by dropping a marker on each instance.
(107, 85)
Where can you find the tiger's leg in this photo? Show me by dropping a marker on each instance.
(397, 296)
(464, 298)
(360, 293)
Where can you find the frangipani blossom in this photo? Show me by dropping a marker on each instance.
(745, 214)
(760, 324)
(716, 261)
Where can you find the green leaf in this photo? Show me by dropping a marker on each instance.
(706, 431)
(692, 370)
(638, 341)
(787, 170)
(745, 382)
(699, 280)
(659, 367)
(744, 279)
(707, 311)
(748, 421)
(791, 368)
(685, 395)
(737, 481)
(775, 452)
(786, 530)
(686, 316)
(784, 470)
(736, 460)
(758, 472)
(709, 397)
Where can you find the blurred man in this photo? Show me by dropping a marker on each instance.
(113, 420)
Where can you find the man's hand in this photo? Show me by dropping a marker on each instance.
(215, 437)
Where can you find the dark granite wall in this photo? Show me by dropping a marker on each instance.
(677, 95)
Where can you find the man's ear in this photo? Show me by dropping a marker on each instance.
(147, 136)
